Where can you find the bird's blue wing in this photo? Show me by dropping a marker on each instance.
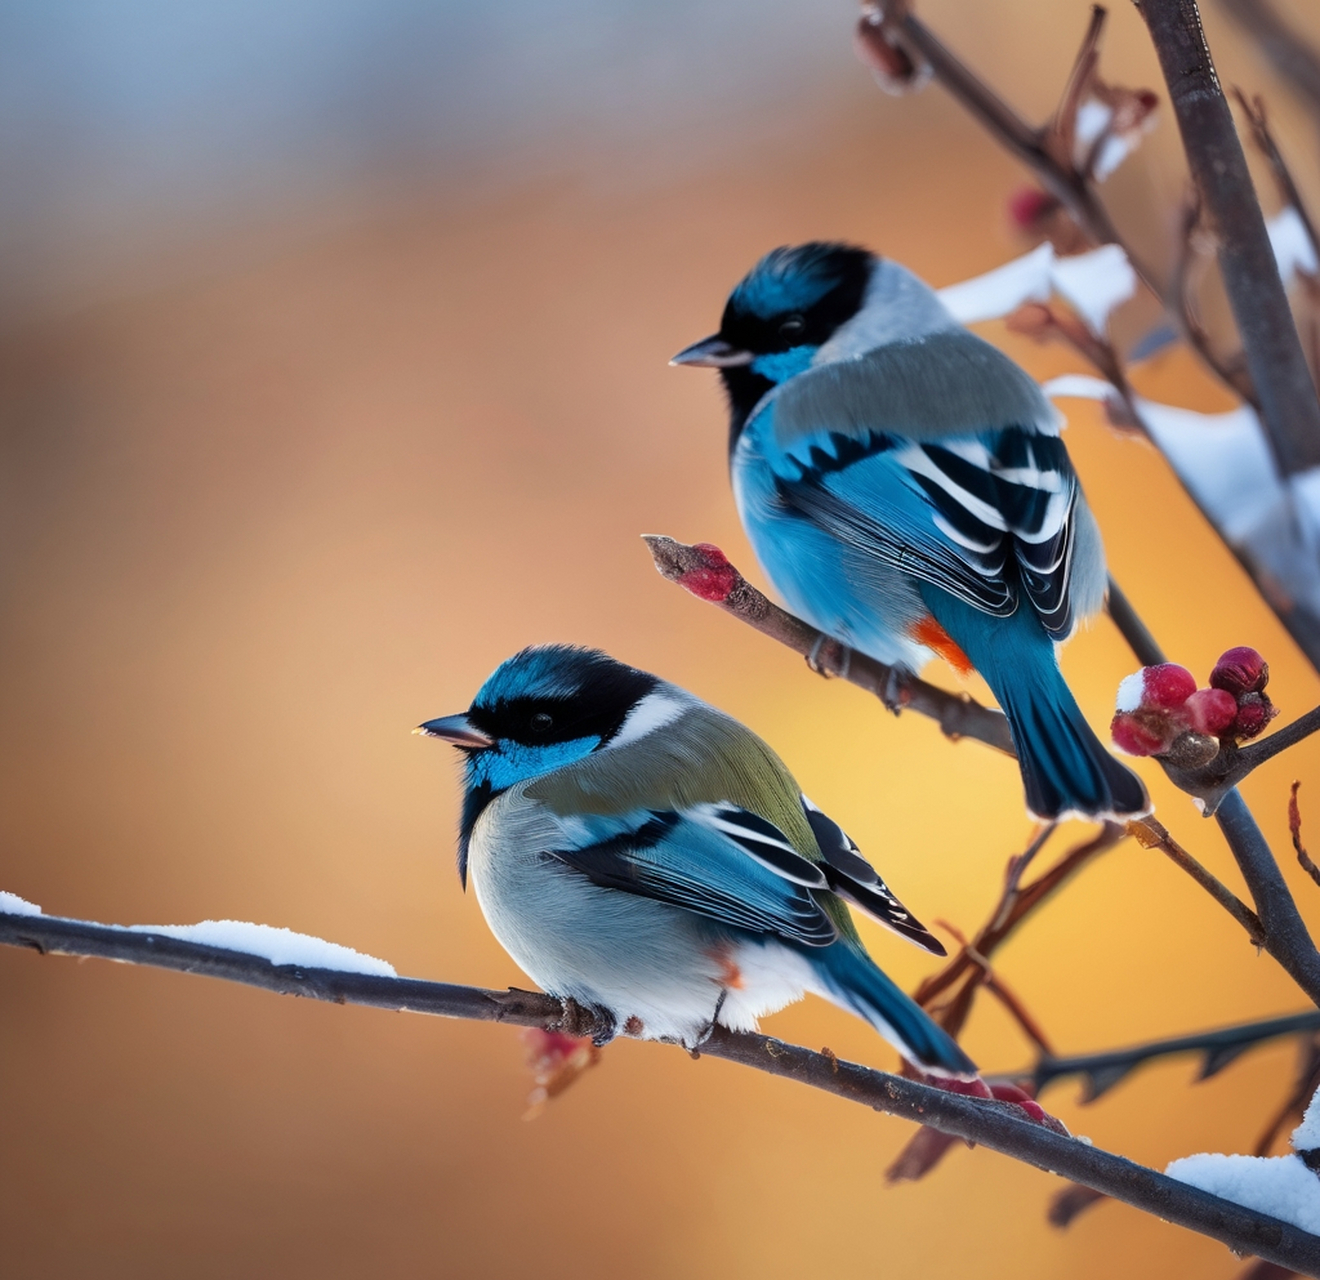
(938, 457)
(719, 861)
(982, 517)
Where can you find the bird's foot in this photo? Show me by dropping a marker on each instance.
(894, 693)
(580, 1021)
(709, 1029)
(828, 657)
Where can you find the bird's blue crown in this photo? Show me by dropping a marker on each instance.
(797, 277)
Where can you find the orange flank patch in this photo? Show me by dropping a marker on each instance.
(730, 975)
(929, 632)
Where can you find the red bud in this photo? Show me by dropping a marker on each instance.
(714, 579)
(1211, 711)
(1028, 205)
(1241, 670)
(1255, 711)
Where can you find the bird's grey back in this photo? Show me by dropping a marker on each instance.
(946, 383)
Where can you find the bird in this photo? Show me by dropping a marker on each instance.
(648, 856)
(905, 489)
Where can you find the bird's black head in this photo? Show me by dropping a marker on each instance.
(781, 313)
(540, 710)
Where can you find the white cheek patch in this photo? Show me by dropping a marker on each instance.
(651, 713)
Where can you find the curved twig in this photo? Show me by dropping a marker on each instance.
(1000, 1126)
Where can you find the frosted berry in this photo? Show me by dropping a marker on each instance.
(1141, 733)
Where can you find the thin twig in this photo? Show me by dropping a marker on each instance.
(1102, 1071)
(1295, 828)
(1002, 1127)
(1292, 56)
(1153, 834)
(1294, 1105)
(1254, 110)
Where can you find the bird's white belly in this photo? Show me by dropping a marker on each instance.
(660, 970)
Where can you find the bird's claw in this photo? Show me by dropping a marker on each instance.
(581, 1020)
(893, 695)
(840, 665)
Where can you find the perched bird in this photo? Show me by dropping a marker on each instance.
(905, 489)
(647, 855)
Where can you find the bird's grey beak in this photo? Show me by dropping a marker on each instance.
(713, 353)
(456, 729)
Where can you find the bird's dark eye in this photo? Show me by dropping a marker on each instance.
(792, 327)
(542, 721)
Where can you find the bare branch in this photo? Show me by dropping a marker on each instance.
(999, 1126)
(1102, 1071)
(1289, 410)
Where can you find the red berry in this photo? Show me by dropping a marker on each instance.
(1167, 686)
(1139, 733)
(1211, 711)
(1241, 670)
(1255, 711)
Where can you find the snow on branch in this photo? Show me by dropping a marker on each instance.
(1286, 1186)
(1001, 1126)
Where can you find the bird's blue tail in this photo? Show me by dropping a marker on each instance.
(1065, 767)
(855, 982)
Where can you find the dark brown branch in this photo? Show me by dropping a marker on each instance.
(706, 572)
(1102, 1071)
(999, 1126)
(1292, 57)
(1289, 410)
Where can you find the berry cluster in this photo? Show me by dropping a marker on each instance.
(1161, 711)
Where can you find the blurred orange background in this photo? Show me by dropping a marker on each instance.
(281, 482)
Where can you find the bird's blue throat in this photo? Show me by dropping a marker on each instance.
(492, 771)
(746, 385)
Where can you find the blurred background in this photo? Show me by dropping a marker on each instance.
(333, 344)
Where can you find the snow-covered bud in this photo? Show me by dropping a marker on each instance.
(1211, 711)
(1255, 711)
(1141, 733)
(1166, 686)
(1241, 670)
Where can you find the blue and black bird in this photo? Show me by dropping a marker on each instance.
(905, 489)
(649, 856)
